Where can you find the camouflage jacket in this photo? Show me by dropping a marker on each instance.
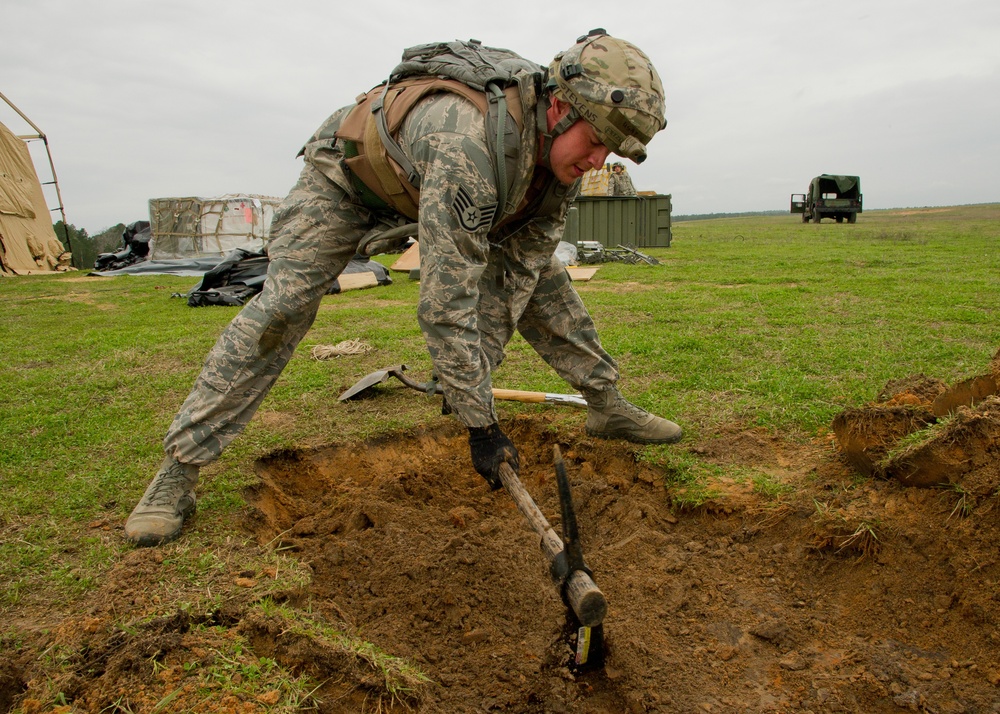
(621, 185)
(463, 256)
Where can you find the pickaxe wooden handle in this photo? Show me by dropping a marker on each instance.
(583, 595)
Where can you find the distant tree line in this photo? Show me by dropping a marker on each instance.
(706, 216)
(85, 247)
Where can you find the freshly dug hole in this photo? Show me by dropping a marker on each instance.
(410, 547)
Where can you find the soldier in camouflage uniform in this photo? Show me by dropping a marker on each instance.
(486, 269)
(620, 183)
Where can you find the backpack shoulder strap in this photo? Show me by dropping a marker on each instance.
(376, 159)
(490, 78)
(389, 180)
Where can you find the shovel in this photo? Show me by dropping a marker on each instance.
(515, 395)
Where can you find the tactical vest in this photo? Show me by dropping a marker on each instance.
(381, 180)
(503, 86)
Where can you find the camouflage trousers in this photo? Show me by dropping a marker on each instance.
(314, 234)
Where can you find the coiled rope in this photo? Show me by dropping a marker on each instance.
(347, 347)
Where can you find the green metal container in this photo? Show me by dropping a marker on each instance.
(638, 221)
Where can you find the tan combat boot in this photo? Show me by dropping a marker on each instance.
(611, 416)
(169, 499)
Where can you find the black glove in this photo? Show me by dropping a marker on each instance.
(490, 447)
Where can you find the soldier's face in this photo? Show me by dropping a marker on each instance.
(575, 151)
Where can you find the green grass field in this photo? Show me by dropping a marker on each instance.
(760, 321)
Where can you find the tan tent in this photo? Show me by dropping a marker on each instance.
(27, 242)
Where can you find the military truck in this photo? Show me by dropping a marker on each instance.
(829, 196)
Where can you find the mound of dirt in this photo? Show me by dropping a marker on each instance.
(925, 433)
(912, 390)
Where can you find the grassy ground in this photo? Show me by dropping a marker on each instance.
(759, 321)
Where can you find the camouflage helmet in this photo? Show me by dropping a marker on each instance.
(613, 85)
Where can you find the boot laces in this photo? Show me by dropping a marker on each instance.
(629, 410)
(168, 486)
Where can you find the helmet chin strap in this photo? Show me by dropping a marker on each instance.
(548, 137)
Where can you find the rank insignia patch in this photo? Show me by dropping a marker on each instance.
(470, 216)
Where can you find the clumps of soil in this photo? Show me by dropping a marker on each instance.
(961, 452)
(925, 433)
(867, 434)
(918, 389)
(349, 673)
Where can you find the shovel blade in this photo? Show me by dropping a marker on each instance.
(369, 381)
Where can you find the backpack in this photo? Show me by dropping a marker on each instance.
(493, 79)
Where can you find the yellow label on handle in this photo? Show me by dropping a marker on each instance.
(582, 645)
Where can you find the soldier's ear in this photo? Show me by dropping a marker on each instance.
(558, 109)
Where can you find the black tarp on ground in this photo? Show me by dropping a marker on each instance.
(135, 249)
(194, 267)
(241, 276)
(235, 279)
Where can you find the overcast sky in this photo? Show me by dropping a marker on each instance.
(142, 99)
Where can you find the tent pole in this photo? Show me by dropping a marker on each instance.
(52, 168)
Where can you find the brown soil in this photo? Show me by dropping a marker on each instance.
(923, 432)
(841, 594)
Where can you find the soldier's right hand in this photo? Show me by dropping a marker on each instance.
(490, 447)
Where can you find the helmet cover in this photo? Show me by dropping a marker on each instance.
(613, 85)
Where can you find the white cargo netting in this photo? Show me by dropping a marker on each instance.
(194, 227)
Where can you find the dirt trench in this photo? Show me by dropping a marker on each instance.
(841, 596)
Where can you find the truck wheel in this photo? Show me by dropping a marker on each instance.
(817, 217)
(852, 218)
(840, 219)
